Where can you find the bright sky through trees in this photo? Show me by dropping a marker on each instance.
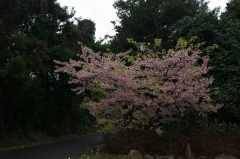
(102, 12)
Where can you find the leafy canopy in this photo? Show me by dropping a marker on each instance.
(145, 20)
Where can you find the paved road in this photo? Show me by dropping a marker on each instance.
(59, 150)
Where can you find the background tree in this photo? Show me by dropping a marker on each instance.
(232, 10)
(145, 20)
(205, 25)
(222, 31)
(227, 62)
(21, 60)
(33, 96)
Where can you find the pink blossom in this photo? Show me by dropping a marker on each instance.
(141, 94)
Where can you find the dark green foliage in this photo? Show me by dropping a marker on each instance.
(227, 70)
(33, 33)
(145, 20)
(205, 25)
(223, 32)
(232, 10)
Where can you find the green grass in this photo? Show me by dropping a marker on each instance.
(15, 143)
(95, 156)
(22, 140)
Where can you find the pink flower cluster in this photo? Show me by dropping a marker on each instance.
(150, 91)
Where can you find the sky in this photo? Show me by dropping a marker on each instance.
(101, 12)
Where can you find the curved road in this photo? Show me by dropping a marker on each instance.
(59, 150)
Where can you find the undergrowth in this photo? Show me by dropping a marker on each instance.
(92, 154)
(203, 143)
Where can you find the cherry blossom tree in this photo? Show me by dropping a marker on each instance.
(149, 91)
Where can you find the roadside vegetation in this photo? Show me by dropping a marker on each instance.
(203, 143)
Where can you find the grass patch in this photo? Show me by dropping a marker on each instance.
(15, 143)
(92, 154)
(18, 139)
(98, 156)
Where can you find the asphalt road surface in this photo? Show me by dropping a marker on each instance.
(59, 150)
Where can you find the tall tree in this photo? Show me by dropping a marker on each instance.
(205, 25)
(32, 95)
(223, 32)
(145, 20)
(21, 61)
(62, 36)
(232, 10)
(227, 62)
